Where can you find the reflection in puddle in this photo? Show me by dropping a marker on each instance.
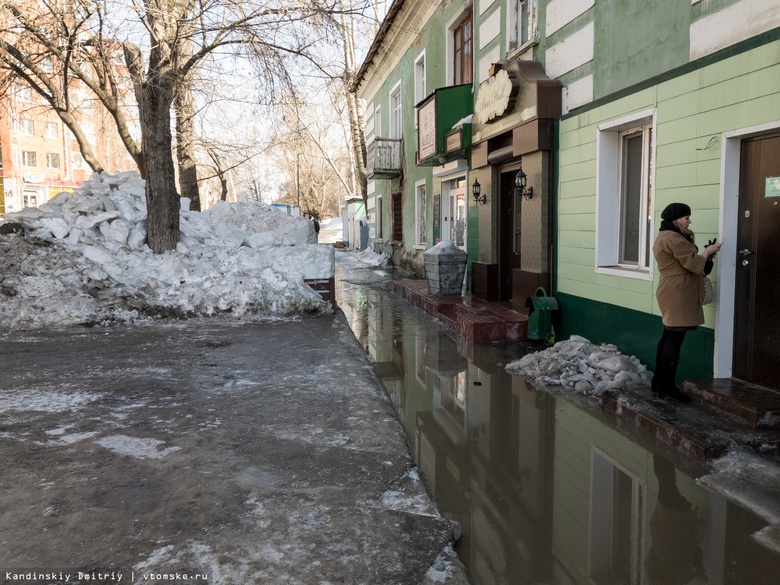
(546, 489)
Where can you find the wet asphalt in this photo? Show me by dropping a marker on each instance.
(216, 452)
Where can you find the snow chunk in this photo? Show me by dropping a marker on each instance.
(90, 263)
(577, 364)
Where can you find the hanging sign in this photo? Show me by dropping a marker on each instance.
(496, 97)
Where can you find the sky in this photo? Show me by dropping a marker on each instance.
(84, 261)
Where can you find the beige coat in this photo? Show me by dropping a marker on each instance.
(681, 285)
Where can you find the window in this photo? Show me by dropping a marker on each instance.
(89, 132)
(29, 158)
(625, 196)
(522, 23)
(396, 118)
(420, 215)
(51, 130)
(52, 160)
(25, 94)
(378, 122)
(78, 161)
(27, 127)
(618, 503)
(463, 54)
(398, 215)
(419, 79)
(379, 231)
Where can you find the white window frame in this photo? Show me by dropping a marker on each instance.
(452, 26)
(26, 158)
(378, 121)
(420, 214)
(523, 18)
(603, 497)
(609, 195)
(24, 93)
(379, 231)
(52, 131)
(396, 112)
(52, 156)
(420, 92)
(27, 127)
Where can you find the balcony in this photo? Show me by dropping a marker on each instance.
(383, 158)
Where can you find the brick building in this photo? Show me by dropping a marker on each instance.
(39, 157)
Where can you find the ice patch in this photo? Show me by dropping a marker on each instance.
(136, 447)
(46, 401)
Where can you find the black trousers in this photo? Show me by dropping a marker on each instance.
(667, 358)
(669, 346)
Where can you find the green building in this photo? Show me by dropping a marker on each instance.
(608, 111)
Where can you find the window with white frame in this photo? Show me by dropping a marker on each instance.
(51, 130)
(396, 118)
(52, 160)
(463, 51)
(379, 235)
(618, 517)
(378, 121)
(27, 127)
(78, 162)
(24, 93)
(625, 195)
(88, 129)
(522, 23)
(29, 158)
(419, 78)
(420, 214)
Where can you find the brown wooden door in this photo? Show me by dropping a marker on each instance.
(757, 294)
(509, 233)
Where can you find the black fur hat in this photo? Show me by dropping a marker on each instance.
(675, 211)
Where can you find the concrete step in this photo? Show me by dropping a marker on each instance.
(753, 405)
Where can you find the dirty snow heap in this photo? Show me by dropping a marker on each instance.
(580, 366)
(82, 259)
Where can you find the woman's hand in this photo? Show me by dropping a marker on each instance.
(711, 250)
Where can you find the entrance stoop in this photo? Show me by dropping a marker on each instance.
(473, 319)
(756, 406)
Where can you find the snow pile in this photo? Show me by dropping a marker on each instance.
(83, 260)
(372, 258)
(580, 366)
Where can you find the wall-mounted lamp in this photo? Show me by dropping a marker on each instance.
(520, 188)
(476, 191)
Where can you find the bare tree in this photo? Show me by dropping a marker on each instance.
(57, 48)
(178, 35)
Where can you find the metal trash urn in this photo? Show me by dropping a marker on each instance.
(445, 267)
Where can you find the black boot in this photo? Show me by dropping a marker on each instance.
(667, 386)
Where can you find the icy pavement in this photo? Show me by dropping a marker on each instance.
(259, 452)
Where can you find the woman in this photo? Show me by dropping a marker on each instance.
(680, 292)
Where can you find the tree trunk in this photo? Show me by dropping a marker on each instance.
(162, 200)
(357, 127)
(184, 105)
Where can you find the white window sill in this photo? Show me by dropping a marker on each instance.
(420, 247)
(512, 53)
(625, 272)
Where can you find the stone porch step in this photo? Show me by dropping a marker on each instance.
(473, 319)
(756, 406)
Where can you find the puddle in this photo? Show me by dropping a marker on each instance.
(546, 489)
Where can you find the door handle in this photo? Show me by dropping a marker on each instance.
(745, 252)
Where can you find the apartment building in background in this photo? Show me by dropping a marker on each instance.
(39, 156)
